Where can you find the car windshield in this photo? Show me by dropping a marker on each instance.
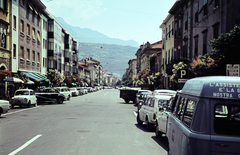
(73, 89)
(22, 93)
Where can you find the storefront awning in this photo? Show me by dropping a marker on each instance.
(37, 76)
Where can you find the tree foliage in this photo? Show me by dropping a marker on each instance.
(55, 77)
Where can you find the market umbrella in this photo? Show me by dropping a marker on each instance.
(13, 79)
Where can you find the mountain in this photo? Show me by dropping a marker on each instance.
(113, 54)
(87, 35)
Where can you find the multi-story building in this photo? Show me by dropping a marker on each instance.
(30, 35)
(143, 54)
(44, 44)
(132, 70)
(167, 48)
(107, 78)
(95, 67)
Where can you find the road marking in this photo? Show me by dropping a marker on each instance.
(106, 93)
(135, 113)
(18, 111)
(25, 145)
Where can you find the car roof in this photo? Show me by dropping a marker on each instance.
(224, 87)
(164, 97)
(24, 90)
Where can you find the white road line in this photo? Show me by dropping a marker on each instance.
(106, 93)
(18, 111)
(25, 145)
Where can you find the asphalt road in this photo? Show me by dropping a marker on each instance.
(99, 123)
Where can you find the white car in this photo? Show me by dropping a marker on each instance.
(65, 91)
(74, 91)
(25, 97)
(149, 109)
(4, 106)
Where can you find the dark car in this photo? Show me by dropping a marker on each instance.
(49, 95)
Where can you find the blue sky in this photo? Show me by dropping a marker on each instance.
(137, 20)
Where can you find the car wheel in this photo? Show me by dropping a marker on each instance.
(68, 97)
(157, 132)
(139, 121)
(12, 106)
(1, 111)
(149, 125)
(29, 104)
(60, 100)
(127, 100)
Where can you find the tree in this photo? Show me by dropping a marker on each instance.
(55, 77)
(225, 50)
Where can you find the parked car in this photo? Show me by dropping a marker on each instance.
(85, 91)
(162, 117)
(4, 106)
(24, 97)
(65, 91)
(74, 91)
(206, 117)
(142, 99)
(139, 95)
(148, 111)
(49, 94)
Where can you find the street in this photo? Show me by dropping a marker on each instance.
(98, 123)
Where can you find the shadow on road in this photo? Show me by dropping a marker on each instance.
(144, 128)
(162, 141)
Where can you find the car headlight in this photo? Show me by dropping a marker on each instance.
(140, 103)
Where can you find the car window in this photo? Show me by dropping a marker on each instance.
(31, 93)
(188, 114)
(180, 107)
(227, 119)
(22, 93)
(162, 103)
(151, 103)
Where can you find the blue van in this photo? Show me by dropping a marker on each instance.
(206, 117)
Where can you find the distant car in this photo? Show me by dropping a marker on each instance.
(65, 91)
(4, 106)
(148, 111)
(49, 94)
(74, 91)
(24, 97)
(142, 99)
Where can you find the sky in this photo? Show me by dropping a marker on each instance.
(137, 20)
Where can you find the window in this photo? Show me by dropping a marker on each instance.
(21, 26)
(196, 12)
(186, 20)
(38, 36)
(175, 32)
(169, 29)
(172, 26)
(226, 119)
(196, 46)
(38, 57)
(22, 2)
(169, 56)
(33, 33)
(204, 42)
(14, 50)
(28, 54)
(166, 33)
(216, 3)
(180, 108)
(21, 52)
(3, 4)
(28, 29)
(179, 27)
(188, 114)
(33, 55)
(14, 22)
(205, 8)
(216, 30)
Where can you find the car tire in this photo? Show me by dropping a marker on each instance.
(139, 121)
(1, 111)
(148, 125)
(68, 97)
(157, 132)
(29, 104)
(127, 100)
(60, 100)
(12, 106)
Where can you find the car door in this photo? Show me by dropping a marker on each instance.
(163, 115)
(142, 111)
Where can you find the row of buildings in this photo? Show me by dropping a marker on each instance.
(32, 41)
(186, 32)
